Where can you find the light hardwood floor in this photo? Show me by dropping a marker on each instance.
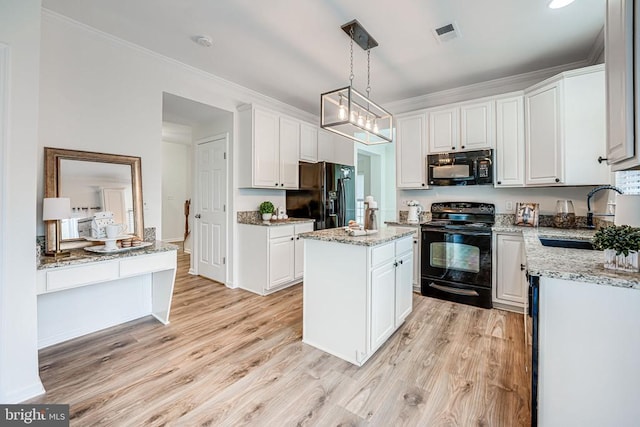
(231, 358)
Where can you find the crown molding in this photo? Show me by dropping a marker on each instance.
(241, 94)
(480, 90)
(597, 49)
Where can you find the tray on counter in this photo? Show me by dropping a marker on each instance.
(100, 249)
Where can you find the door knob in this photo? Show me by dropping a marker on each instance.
(197, 216)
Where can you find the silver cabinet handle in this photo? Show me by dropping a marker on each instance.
(456, 291)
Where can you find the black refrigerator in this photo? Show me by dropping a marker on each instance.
(327, 194)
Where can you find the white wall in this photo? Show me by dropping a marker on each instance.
(176, 179)
(382, 165)
(19, 68)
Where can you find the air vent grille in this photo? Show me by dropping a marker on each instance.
(447, 32)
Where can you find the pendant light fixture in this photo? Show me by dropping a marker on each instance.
(350, 113)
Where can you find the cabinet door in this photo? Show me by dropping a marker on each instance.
(510, 142)
(299, 258)
(308, 143)
(382, 324)
(343, 151)
(289, 152)
(476, 126)
(404, 287)
(281, 261)
(325, 146)
(619, 69)
(543, 135)
(266, 154)
(511, 286)
(410, 151)
(443, 130)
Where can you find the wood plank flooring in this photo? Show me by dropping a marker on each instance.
(232, 358)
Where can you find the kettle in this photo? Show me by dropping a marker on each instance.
(414, 214)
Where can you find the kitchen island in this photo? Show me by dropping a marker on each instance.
(357, 290)
(586, 334)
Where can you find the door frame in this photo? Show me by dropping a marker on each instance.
(195, 247)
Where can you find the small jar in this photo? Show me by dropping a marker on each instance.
(565, 215)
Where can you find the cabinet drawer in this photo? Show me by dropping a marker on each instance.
(404, 245)
(280, 231)
(303, 228)
(76, 276)
(147, 264)
(380, 254)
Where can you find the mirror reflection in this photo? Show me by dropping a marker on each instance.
(95, 187)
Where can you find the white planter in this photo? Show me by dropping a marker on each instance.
(620, 262)
(266, 216)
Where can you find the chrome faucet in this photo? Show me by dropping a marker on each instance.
(590, 195)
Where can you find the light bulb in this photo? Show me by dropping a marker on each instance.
(352, 119)
(367, 124)
(360, 120)
(375, 126)
(342, 112)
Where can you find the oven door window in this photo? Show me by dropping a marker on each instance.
(455, 256)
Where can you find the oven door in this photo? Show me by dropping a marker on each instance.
(456, 265)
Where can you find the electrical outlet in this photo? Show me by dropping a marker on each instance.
(509, 206)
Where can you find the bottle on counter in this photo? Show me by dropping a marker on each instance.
(565, 215)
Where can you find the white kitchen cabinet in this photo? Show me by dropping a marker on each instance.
(272, 256)
(462, 127)
(308, 143)
(415, 279)
(509, 155)
(351, 309)
(565, 129)
(333, 148)
(622, 147)
(269, 145)
(510, 284)
(411, 151)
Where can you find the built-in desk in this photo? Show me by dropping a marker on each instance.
(88, 292)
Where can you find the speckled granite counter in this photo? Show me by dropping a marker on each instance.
(80, 256)
(288, 221)
(578, 265)
(339, 235)
(403, 224)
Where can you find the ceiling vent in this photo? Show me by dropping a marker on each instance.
(447, 32)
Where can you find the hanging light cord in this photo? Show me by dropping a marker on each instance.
(368, 71)
(351, 75)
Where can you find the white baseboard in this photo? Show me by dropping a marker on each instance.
(25, 393)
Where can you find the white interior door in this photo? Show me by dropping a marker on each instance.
(211, 224)
(114, 201)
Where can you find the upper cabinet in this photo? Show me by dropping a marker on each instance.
(509, 154)
(334, 148)
(308, 143)
(622, 147)
(411, 150)
(565, 129)
(269, 145)
(460, 127)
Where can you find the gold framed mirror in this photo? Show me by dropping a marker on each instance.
(94, 182)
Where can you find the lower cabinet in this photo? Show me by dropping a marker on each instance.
(356, 297)
(509, 282)
(415, 279)
(272, 256)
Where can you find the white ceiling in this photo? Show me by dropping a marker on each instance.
(293, 50)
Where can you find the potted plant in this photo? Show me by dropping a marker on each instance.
(620, 245)
(266, 209)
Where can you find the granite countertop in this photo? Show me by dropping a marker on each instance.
(80, 256)
(403, 223)
(579, 265)
(339, 235)
(288, 221)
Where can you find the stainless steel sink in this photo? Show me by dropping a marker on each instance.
(566, 243)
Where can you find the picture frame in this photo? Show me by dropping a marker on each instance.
(527, 214)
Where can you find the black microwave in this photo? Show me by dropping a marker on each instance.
(461, 168)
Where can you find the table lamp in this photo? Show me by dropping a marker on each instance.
(55, 209)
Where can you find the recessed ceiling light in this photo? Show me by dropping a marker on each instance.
(203, 40)
(557, 4)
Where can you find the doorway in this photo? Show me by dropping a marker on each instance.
(193, 131)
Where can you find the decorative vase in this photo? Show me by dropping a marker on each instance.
(620, 262)
(266, 216)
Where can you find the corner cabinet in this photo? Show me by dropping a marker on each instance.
(509, 154)
(510, 284)
(353, 309)
(622, 146)
(565, 129)
(274, 256)
(411, 151)
(334, 148)
(269, 145)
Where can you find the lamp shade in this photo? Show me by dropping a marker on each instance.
(54, 208)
